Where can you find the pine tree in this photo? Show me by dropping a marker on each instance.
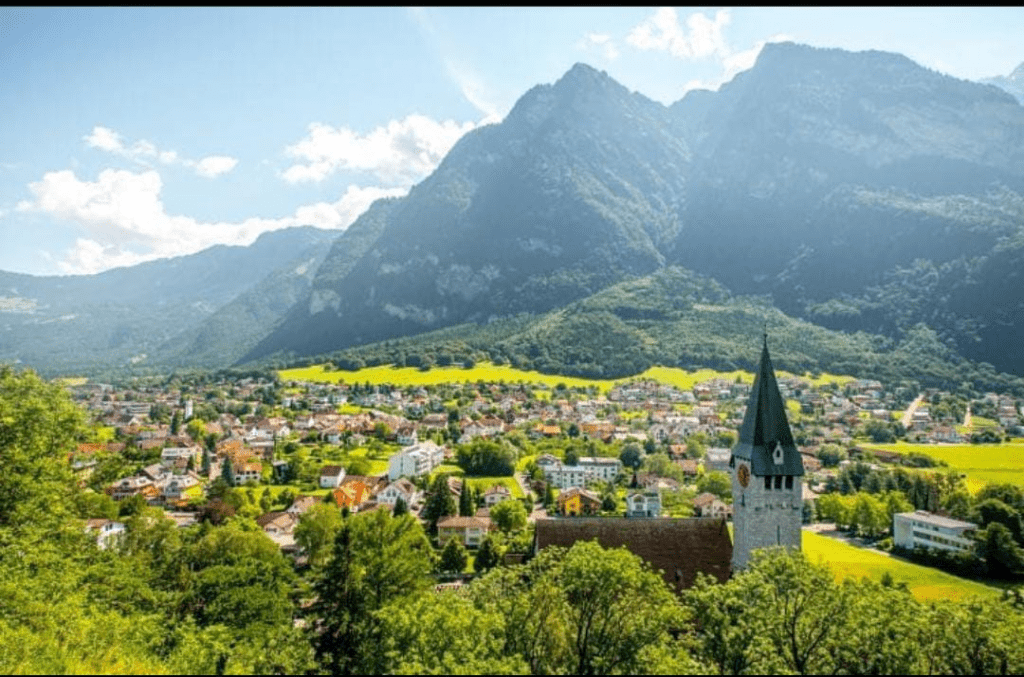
(488, 555)
(454, 557)
(401, 508)
(466, 500)
(227, 471)
(439, 503)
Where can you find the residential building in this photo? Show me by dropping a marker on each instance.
(415, 461)
(469, 530)
(643, 504)
(331, 476)
(923, 529)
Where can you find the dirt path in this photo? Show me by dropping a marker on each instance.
(908, 415)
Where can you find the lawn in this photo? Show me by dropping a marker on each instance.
(485, 483)
(491, 373)
(983, 463)
(925, 583)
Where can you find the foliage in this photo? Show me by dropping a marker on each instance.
(509, 515)
(453, 557)
(316, 531)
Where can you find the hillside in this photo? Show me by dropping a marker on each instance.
(856, 191)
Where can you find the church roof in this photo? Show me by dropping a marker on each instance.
(680, 548)
(765, 426)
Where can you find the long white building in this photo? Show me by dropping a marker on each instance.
(589, 468)
(921, 528)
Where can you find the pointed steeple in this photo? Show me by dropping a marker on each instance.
(765, 440)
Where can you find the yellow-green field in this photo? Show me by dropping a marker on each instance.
(485, 483)
(983, 463)
(925, 583)
(487, 372)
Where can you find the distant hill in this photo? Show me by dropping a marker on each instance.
(157, 313)
(1012, 83)
(858, 191)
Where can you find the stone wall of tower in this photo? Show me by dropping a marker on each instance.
(764, 518)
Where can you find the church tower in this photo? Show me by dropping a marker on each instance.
(766, 468)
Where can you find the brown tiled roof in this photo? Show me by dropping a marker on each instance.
(458, 522)
(680, 548)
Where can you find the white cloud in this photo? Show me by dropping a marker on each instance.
(399, 153)
(125, 221)
(215, 165)
(602, 42)
(701, 38)
(142, 152)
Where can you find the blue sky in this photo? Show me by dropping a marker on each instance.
(135, 133)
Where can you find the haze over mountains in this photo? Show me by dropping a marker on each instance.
(856, 191)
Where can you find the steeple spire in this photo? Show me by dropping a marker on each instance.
(765, 439)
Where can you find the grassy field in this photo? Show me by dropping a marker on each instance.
(983, 463)
(925, 583)
(487, 372)
(485, 483)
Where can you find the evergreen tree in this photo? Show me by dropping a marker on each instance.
(453, 557)
(466, 502)
(401, 508)
(488, 555)
(227, 471)
(439, 503)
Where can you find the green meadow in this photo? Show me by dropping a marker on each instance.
(982, 463)
(491, 373)
(925, 583)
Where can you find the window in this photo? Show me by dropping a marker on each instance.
(767, 483)
(778, 481)
(789, 482)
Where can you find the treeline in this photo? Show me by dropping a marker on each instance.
(863, 500)
(677, 318)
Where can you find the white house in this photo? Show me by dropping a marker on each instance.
(416, 460)
(401, 488)
(923, 529)
(643, 504)
(106, 531)
(331, 476)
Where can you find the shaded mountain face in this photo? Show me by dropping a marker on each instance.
(154, 313)
(1012, 83)
(857, 190)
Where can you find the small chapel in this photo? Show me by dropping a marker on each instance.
(767, 471)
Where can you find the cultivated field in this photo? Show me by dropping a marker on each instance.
(983, 463)
(925, 583)
(487, 372)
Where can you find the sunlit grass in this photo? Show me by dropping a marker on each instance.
(983, 463)
(925, 583)
(491, 373)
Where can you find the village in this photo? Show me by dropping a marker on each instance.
(291, 446)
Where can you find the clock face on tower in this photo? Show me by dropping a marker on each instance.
(743, 474)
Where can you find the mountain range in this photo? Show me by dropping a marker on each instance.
(850, 191)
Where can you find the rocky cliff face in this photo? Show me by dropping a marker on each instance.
(819, 178)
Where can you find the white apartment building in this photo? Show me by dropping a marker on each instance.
(416, 460)
(589, 468)
(921, 528)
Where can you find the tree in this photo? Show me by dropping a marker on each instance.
(631, 456)
(39, 428)
(488, 555)
(227, 471)
(467, 507)
(401, 508)
(572, 456)
(509, 515)
(439, 503)
(376, 559)
(453, 557)
(316, 531)
(717, 483)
